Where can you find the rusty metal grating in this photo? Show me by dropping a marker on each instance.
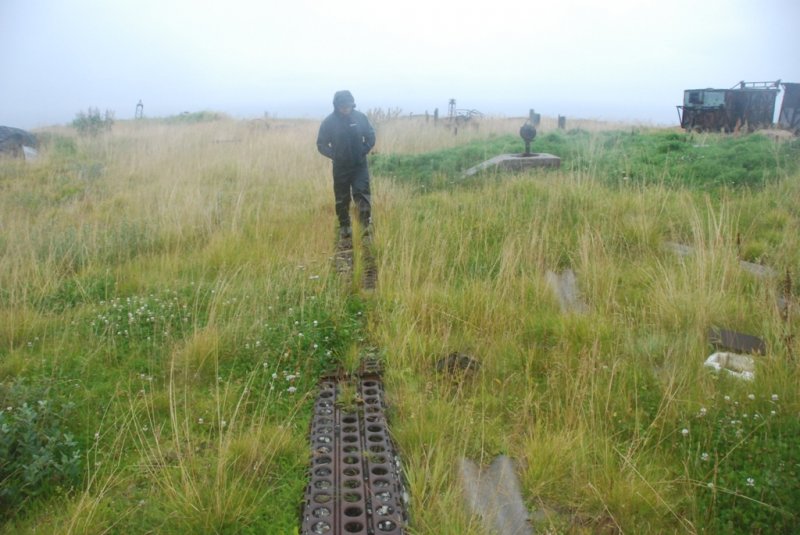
(355, 480)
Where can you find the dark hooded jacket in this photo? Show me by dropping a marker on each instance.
(345, 139)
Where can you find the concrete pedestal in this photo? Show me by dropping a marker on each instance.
(516, 162)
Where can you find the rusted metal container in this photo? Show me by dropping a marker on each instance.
(745, 106)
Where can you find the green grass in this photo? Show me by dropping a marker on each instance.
(172, 302)
(616, 158)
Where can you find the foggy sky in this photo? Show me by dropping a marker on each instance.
(613, 59)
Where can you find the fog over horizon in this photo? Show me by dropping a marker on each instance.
(620, 60)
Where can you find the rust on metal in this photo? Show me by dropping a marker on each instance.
(747, 105)
(355, 476)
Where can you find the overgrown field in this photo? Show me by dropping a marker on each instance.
(168, 301)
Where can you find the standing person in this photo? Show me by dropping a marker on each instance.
(346, 137)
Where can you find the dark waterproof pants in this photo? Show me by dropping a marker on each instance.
(352, 184)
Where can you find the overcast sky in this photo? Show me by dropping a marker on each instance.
(612, 59)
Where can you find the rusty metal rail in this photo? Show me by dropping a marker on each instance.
(355, 480)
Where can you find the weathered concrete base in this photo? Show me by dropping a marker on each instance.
(565, 286)
(516, 162)
(494, 495)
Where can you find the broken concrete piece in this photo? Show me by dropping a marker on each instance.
(494, 495)
(740, 366)
(756, 269)
(565, 287)
(678, 248)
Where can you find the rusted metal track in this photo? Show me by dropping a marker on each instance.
(355, 480)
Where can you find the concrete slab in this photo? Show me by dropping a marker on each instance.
(565, 286)
(494, 495)
(516, 162)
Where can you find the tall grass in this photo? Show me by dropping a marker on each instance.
(175, 281)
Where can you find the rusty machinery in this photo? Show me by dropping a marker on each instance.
(747, 105)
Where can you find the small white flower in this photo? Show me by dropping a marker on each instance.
(710, 485)
(291, 389)
(223, 423)
(774, 397)
(300, 335)
(97, 436)
(291, 377)
(751, 397)
(773, 413)
(702, 412)
(685, 432)
(200, 421)
(274, 375)
(751, 482)
(317, 323)
(705, 456)
(727, 398)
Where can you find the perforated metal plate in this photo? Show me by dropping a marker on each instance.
(355, 476)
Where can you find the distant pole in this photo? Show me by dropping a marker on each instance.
(139, 110)
(562, 122)
(435, 115)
